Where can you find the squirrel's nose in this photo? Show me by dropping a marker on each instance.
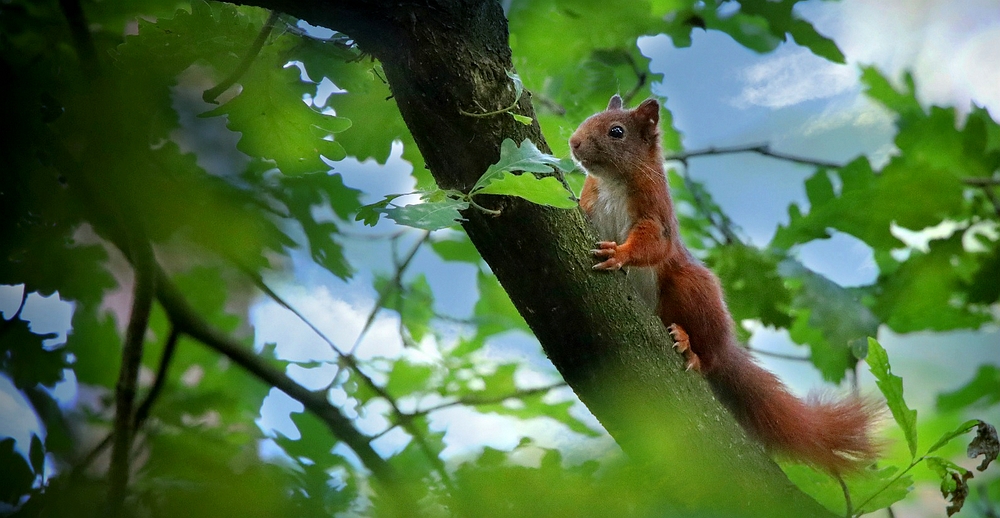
(574, 142)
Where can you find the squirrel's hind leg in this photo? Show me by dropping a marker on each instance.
(682, 343)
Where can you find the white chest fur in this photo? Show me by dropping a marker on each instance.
(611, 217)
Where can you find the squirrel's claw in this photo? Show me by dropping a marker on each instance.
(682, 343)
(605, 252)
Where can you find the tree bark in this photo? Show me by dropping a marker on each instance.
(440, 56)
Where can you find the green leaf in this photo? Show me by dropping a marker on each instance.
(430, 215)
(16, 477)
(413, 301)
(25, 359)
(303, 195)
(518, 85)
(523, 119)
(752, 285)
(892, 388)
(543, 191)
(982, 391)
(923, 292)
(371, 213)
(456, 247)
(494, 311)
(870, 489)
(97, 347)
(964, 428)
(525, 157)
(276, 124)
(407, 378)
(830, 319)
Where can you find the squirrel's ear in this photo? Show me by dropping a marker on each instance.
(649, 110)
(615, 103)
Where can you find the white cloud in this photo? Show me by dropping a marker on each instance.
(336, 318)
(857, 112)
(949, 46)
(790, 76)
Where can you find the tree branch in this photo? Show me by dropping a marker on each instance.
(141, 254)
(395, 282)
(760, 149)
(987, 185)
(350, 362)
(190, 323)
(82, 39)
(147, 403)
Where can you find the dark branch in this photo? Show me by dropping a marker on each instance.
(141, 256)
(471, 401)
(147, 403)
(82, 39)
(760, 149)
(641, 76)
(190, 323)
(350, 362)
(161, 378)
(213, 93)
(988, 186)
(783, 356)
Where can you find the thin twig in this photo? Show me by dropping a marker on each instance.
(783, 356)
(147, 403)
(213, 93)
(161, 377)
(980, 182)
(724, 225)
(382, 296)
(987, 185)
(760, 149)
(472, 401)
(349, 361)
(141, 257)
(189, 322)
(640, 75)
(82, 39)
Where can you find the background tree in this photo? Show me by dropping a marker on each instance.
(105, 195)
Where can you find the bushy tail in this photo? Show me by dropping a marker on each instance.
(832, 435)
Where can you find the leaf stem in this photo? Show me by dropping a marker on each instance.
(847, 496)
(489, 114)
(891, 482)
(477, 206)
(213, 93)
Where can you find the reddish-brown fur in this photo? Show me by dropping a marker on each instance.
(626, 174)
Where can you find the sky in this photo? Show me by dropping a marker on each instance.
(726, 95)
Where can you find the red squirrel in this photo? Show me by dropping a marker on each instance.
(627, 199)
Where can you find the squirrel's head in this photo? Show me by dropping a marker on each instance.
(617, 143)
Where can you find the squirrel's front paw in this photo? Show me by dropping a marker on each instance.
(606, 252)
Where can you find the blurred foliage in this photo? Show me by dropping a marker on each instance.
(103, 146)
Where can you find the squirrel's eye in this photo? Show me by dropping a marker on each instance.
(616, 132)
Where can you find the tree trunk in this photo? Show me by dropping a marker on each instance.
(440, 56)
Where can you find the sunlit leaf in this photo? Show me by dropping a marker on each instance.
(892, 388)
(543, 191)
